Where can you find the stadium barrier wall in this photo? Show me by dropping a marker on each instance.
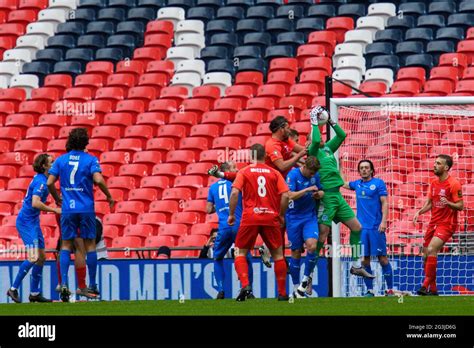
(193, 279)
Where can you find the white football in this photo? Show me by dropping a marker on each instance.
(323, 117)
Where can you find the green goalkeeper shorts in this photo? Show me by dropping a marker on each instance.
(335, 209)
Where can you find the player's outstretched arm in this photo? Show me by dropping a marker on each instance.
(315, 140)
(426, 207)
(99, 181)
(337, 141)
(383, 223)
(52, 189)
(459, 205)
(343, 176)
(36, 203)
(295, 195)
(284, 166)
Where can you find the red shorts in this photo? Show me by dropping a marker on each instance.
(443, 232)
(247, 235)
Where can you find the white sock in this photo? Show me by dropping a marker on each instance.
(356, 264)
(305, 278)
(12, 288)
(34, 293)
(295, 287)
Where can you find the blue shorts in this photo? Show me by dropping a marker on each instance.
(80, 225)
(374, 243)
(224, 240)
(300, 230)
(30, 232)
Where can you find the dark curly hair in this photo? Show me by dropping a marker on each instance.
(40, 162)
(78, 139)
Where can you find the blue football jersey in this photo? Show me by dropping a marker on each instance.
(75, 171)
(306, 205)
(37, 187)
(219, 195)
(369, 207)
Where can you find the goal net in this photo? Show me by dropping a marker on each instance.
(402, 137)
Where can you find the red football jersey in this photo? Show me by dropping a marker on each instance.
(261, 188)
(277, 149)
(441, 213)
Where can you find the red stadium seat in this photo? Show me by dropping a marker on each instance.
(201, 229)
(148, 54)
(145, 94)
(262, 104)
(198, 205)
(155, 220)
(251, 78)
(407, 88)
(11, 135)
(190, 241)
(128, 145)
(132, 106)
(152, 119)
(198, 106)
(198, 169)
(140, 231)
(170, 170)
(209, 93)
(187, 218)
(120, 220)
(274, 91)
(284, 64)
(159, 27)
(180, 193)
(259, 139)
(41, 133)
(208, 131)
(309, 51)
(285, 78)
(176, 93)
(154, 80)
(182, 157)
(26, 171)
(202, 193)
(126, 243)
(14, 159)
(242, 92)
(149, 158)
(264, 129)
(212, 156)
(374, 89)
(192, 182)
(136, 171)
(164, 207)
(165, 106)
(241, 130)
(250, 117)
(176, 132)
(154, 184)
(306, 90)
(339, 25)
(230, 105)
(110, 232)
(229, 142)
(133, 67)
(326, 38)
(143, 133)
(314, 76)
(412, 74)
(19, 184)
(164, 67)
(110, 94)
(437, 88)
(195, 144)
(216, 117)
(102, 208)
(465, 88)
(467, 47)
(123, 183)
(186, 119)
(457, 60)
(173, 230)
(29, 147)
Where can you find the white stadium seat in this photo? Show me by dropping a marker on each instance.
(350, 76)
(173, 14)
(372, 23)
(347, 49)
(219, 79)
(351, 62)
(195, 66)
(177, 54)
(10, 68)
(194, 41)
(383, 9)
(359, 36)
(26, 81)
(188, 80)
(18, 54)
(45, 29)
(190, 26)
(380, 75)
(31, 42)
(63, 4)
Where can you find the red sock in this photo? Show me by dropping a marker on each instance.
(58, 269)
(81, 277)
(431, 263)
(280, 274)
(242, 269)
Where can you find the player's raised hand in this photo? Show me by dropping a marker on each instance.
(231, 220)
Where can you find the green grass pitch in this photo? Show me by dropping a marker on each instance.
(412, 305)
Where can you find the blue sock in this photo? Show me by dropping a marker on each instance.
(24, 269)
(368, 281)
(310, 263)
(64, 261)
(36, 274)
(295, 266)
(91, 261)
(249, 261)
(388, 275)
(219, 274)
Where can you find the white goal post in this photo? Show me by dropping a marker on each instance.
(402, 136)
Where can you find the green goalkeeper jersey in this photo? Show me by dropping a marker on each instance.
(329, 172)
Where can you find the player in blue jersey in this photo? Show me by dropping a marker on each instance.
(301, 221)
(218, 202)
(372, 212)
(78, 171)
(28, 226)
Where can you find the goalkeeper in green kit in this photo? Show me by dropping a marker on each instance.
(335, 207)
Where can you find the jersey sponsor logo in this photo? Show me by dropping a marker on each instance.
(372, 187)
(324, 217)
(260, 210)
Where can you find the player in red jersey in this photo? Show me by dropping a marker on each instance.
(444, 201)
(264, 200)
